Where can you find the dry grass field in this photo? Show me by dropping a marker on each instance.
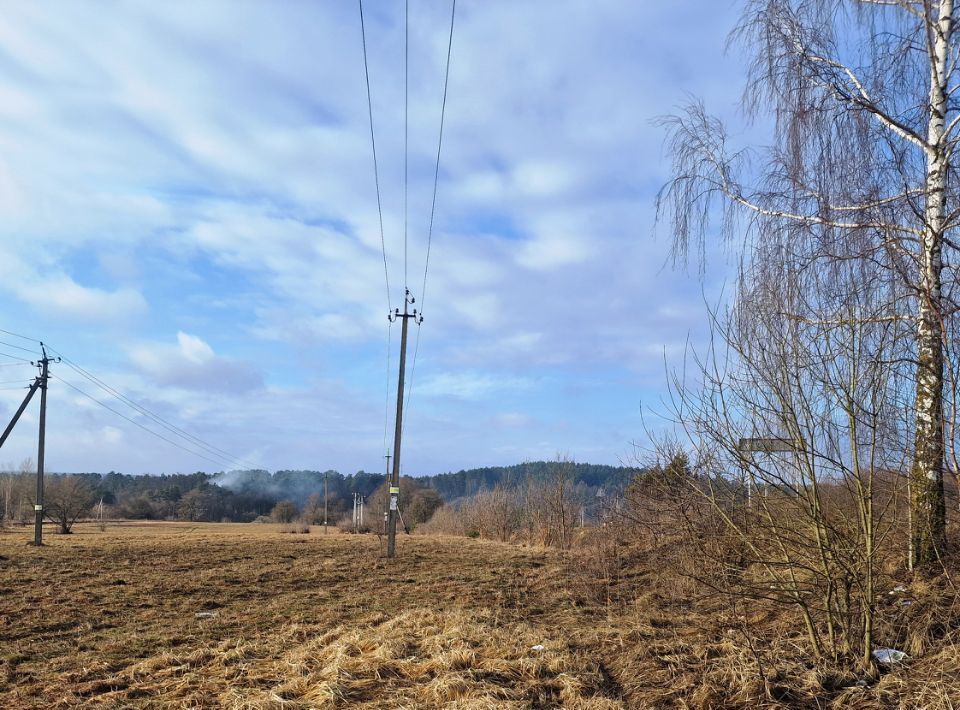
(244, 616)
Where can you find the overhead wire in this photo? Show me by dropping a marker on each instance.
(222, 456)
(413, 371)
(383, 243)
(386, 399)
(172, 428)
(17, 335)
(18, 347)
(436, 169)
(406, 122)
(20, 360)
(433, 204)
(138, 424)
(373, 144)
(32, 351)
(406, 181)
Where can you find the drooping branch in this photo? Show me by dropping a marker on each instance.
(860, 98)
(702, 170)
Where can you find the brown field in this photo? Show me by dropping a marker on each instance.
(110, 619)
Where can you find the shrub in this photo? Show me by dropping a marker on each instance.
(298, 527)
(284, 512)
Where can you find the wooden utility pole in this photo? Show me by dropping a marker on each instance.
(38, 506)
(398, 431)
(325, 502)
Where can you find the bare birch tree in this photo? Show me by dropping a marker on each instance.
(808, 524)
(866, 128)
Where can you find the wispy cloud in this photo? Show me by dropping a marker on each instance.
(187, 206)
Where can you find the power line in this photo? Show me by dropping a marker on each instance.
(413, 372)
(373, 144)
(32, 351)
(406, 116)
(436, 170)
(172, 428)
(17, 335)
(433, 203)
(408, 298)
(21, 360)
(386, 399)
(223, 455)
(136, 423)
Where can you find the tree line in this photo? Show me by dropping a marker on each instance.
(469, 483)
(248, 495)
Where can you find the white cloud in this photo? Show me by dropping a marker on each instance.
(512, 420)
(470, 385)
(552, 250)
(58, 295)
(193, 348)
(215, 161)
(192, 365)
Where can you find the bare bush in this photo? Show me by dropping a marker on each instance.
(448, 520)
(798, 429)
(285, 511)
(66, 498)
(543, 511)
(300, 527)
(348, 525)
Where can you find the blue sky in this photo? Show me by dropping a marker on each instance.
(187, 211)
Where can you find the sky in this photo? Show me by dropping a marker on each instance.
(188, 213)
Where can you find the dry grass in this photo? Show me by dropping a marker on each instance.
(110, 619)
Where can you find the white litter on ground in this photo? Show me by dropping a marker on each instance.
(889, 656)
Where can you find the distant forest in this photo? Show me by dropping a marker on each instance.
(466, 484)
(243, 496)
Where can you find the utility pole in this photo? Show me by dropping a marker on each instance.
(38, 506)
(325, 502)
(398, 431)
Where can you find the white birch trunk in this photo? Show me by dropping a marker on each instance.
(927, 475)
